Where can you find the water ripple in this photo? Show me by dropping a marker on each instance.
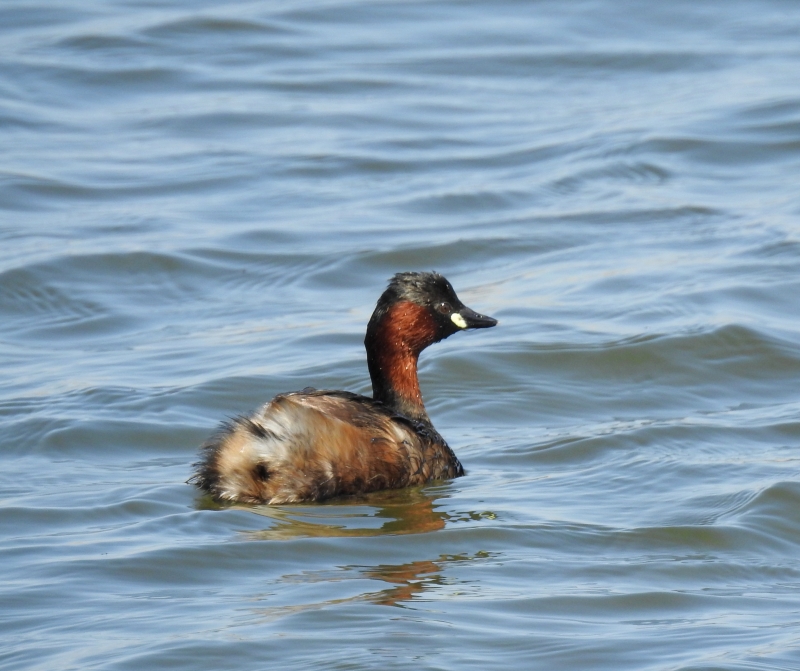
(198, 209)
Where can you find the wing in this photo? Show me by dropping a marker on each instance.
(311, 445)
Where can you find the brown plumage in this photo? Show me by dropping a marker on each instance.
(311, 445)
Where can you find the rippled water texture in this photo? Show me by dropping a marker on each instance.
(200, 204)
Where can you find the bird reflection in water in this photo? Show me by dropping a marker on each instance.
(407, 511)
(402, 511)
(412, 579)
(408, 582)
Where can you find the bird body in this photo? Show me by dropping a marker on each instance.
(315, 444)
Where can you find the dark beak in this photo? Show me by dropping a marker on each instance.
(475, 320)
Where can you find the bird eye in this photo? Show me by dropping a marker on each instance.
(444, 308)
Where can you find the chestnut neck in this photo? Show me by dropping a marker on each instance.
(396, 335)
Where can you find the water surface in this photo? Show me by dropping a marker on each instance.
(200, 204)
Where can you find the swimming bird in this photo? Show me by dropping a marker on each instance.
(314, 444)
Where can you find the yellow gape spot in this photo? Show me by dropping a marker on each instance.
(458, 320)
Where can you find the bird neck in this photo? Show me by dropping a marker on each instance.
(395, 337)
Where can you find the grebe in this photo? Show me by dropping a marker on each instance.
(313, 444)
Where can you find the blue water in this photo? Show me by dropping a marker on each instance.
(200, 204)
